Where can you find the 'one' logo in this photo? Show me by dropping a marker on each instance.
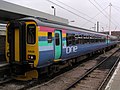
(71, 49)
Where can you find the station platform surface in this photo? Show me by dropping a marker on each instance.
(3, 63)
(114, 83)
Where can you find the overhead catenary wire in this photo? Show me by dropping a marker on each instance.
(98, 8)
(105, 11)
(91, 18)
(101, 11)
(73, 8)
(91, 21)
(96, 16)
(117, 10)
(116, 7)
(70, 11)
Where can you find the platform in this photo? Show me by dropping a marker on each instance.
(114, 83)
(4, 63)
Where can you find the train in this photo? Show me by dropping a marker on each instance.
(33, 44)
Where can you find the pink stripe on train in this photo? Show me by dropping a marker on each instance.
(48, 29)
(63, 31)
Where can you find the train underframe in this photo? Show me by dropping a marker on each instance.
(57, 66)
(26, 72)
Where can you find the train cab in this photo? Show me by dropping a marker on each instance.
(22, 45)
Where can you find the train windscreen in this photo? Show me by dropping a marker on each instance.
(31, 34)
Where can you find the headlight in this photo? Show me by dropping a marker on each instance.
(31, 57)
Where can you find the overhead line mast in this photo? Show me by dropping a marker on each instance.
(110, 19)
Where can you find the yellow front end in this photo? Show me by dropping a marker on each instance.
(33, 49)
(22, 50)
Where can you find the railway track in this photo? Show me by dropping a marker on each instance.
(60, 82)
(5, 74)
(105, 81)
(76, 84)
(63, 82)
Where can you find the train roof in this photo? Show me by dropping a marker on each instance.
(45, 22)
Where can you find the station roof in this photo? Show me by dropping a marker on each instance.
(9, 11)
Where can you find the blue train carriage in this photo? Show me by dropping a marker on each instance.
(32, 44)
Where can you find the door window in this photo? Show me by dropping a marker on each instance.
(57, 40)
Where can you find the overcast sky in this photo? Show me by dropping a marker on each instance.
(87, 9)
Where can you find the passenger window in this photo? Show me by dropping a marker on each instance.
(57, 40)
(80, 39)
(31, 34)
(73, 39)
(77, 39)
(69, 39)
(49, 37)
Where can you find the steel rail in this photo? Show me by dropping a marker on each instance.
(6, 76)
(109, 73)
(89, 71)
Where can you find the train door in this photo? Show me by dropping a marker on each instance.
(58, 44)
(16, 36)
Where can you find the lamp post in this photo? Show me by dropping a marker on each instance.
(110, 19)
(54, 10)
(72, 21)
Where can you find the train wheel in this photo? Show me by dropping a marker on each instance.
(50, 71)
(70, 63)
(57, 69)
